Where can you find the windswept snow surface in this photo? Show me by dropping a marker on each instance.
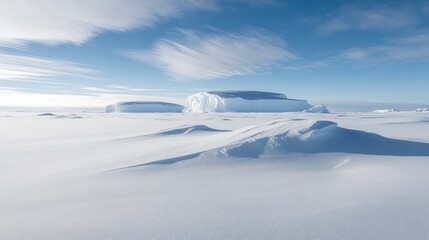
(214, 176)
(243, 101)
(144, 107)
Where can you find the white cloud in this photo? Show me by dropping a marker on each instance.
(413, 47)
(210, 56)
(120, 89)
(19, 98)
(125, 88)
(36, 69)
(76, 21)
(379, 17)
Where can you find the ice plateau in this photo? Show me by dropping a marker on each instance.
(141, 106)
(244, 101)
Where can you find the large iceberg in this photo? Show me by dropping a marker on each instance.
(244, 101)
(144, 107)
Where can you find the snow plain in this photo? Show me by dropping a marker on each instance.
(87, 175)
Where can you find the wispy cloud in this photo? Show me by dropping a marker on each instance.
(126, 88)
(13, 45)
(378, 17)
(76, 21)
(412, 47)
(20, 98)
(308, 66)
(425, 8)
(210, 56)
(121, 89)
(259, 3)
(37, 69)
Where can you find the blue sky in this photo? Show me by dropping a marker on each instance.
(91, 52)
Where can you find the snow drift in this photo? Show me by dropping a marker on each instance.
(322, 137)
(285, 137)
(189, 129)
(244, 101)
(59, 175)
(142, 107)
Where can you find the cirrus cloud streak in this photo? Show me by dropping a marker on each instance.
(77, 21)
(376, 17)
(35, 69)
(199, 56)
(408, 48)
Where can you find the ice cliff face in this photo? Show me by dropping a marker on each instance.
(141, 107)
(244, 101)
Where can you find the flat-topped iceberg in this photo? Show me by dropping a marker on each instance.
(244, 101)
(144, 107)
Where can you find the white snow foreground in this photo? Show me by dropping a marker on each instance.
(186, 176)
(144, 107)
(244, 101)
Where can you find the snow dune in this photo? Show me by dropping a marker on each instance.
(218, 176)
(46, 115)
(189, 130)
(286, 137)
(323, 137)
(69, 116)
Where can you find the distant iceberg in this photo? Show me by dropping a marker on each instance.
(318, 109)
(385, 111)
(244, 101)
(425, 110)
(144, 107)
